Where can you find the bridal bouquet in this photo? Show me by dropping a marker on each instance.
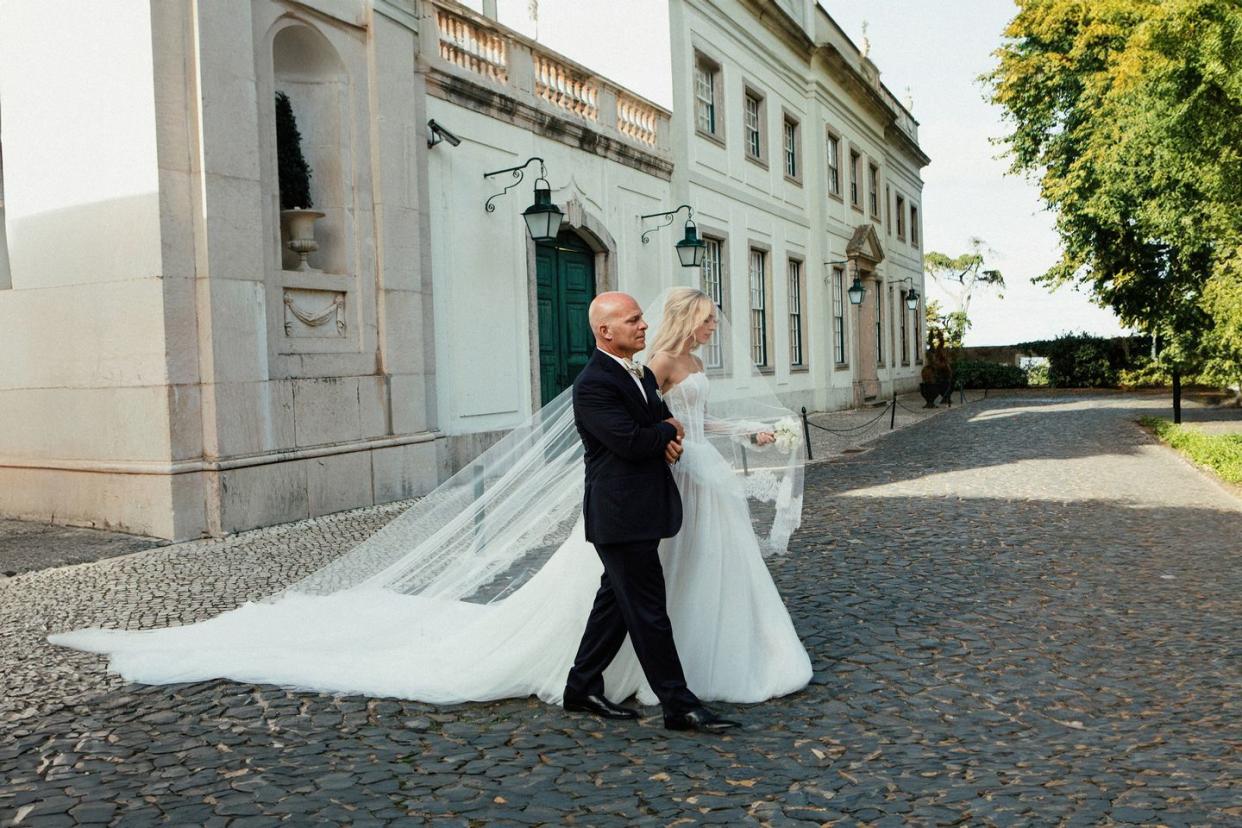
(788, 434)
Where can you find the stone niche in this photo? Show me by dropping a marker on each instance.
(307, 68)
(321, 321)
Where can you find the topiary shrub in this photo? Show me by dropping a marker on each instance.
(291, 167)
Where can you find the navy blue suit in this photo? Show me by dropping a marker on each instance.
(630, 503)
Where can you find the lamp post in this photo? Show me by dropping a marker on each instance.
(543, 218)
(691, 248)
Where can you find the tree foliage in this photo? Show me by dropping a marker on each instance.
(1129, 112)
(944, 328)
(959, 277)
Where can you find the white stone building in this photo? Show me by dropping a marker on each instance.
(797, 157)
(169, 369)
(510, 315)
(158, 374)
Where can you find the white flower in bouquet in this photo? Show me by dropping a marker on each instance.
(788, 434)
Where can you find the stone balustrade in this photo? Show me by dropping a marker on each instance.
(476, 48)
(472, 47)
(560, 85)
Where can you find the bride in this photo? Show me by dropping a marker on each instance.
(481, 589)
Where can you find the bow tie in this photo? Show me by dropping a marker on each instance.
(633, 367)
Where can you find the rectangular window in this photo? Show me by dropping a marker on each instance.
(873, 190)
(879, 327)
(713, 285)
(905, 334)
(855, 172)
(758, 308)
(795, 313)
(914, 225)
(892, 346)
(791, 148)
(754, 126)
(838, 316)
(707, 97)
(834, 164)
(901, 217)
(888, 209)
(918, 333)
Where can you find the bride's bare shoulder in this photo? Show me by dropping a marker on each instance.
(669, 369)
(662, 365)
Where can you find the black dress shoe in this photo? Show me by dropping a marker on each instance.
(700, 718)
(598, 705)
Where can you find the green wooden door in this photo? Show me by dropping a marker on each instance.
(565, 285)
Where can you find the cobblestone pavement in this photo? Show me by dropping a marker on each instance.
(1020, 612)
(26, 545)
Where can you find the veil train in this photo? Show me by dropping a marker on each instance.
(456, 555)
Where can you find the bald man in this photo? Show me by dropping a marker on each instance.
(630, 503)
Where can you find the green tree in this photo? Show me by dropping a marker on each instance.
(1129, 113)
(948, 328)
(1222, 300)
(959, 277)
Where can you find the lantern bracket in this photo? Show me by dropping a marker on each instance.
(519, 173)
(672, 216)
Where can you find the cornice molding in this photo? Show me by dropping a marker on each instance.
(456, 89)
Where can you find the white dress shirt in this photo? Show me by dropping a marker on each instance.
(621, 362)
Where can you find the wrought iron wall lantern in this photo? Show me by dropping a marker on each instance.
(912, 295)
(691, 248)
(856, 291)
(543, 218)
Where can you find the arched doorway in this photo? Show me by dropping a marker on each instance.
(564, 286)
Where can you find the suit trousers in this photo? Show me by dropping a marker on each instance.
(631, 599)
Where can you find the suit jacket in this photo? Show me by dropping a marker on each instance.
(630, 493)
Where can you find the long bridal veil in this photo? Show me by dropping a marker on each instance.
(482, 534)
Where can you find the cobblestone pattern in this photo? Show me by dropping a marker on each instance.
(169, 585)
(26, 546)
(1024, 612)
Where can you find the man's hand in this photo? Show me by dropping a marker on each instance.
(681, 430)
(672, 452)
(764, 438)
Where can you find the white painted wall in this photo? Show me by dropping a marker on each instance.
(483, 284)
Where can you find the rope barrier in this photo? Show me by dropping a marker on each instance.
(890, 407)
(855, 428)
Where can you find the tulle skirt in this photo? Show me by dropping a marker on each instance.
(734, 636)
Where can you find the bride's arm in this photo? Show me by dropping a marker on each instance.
(752, 431)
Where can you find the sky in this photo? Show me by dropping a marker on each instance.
(936, 50)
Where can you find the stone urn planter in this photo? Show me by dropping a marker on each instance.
(299, 233)
(930, 391)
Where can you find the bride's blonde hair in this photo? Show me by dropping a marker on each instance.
(684, 310)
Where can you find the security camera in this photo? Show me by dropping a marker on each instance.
(439, 133)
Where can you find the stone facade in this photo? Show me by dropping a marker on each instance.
(170, 371)
(777, 103)
(158, 379)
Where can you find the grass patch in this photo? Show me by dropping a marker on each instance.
(1222, 453)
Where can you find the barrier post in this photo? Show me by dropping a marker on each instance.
(806, 433)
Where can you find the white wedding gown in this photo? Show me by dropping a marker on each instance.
(734, 636)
